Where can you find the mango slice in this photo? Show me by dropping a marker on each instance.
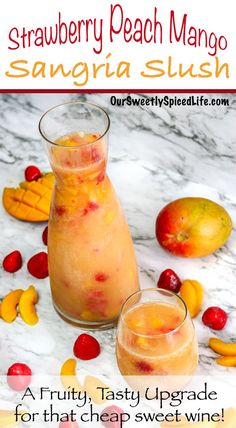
(192, 293)
(9, 305)
(27, 304)
(68, 376)
(31, 201)
(223, 348)
(91, 384)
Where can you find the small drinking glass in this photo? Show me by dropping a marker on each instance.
(156, 336)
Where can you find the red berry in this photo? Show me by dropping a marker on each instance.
(101, 277)
(32, 173)
(12, 262)
(86, 347)
(109, 416)
(100, 177)
(45, 236)
(38, 265)
(144, 367)
(68, 425)
(96, 155)
(92, 206)
(169, 280)
(215, 318)
(19, 376)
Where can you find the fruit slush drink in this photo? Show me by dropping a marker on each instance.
(92, 264)
(155, 339)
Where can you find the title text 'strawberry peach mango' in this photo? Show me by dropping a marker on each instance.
(92, 264)
(193, 227)
(156, 336)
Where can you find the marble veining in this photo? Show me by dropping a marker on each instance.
(156, 155)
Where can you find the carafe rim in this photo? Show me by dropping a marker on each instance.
(88, 103)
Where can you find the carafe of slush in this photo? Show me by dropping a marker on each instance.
(92, 264)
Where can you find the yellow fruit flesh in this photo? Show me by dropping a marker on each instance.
(68, 375)
(27, 304)
(223, 348)
(192, 293)
(31, 201)
(9, 305)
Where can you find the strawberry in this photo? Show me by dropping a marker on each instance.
(100, 177)
(169, 280)
(86, 347)
(32, 173)
(19, 376)
(112, 413)
(215, 318)
(144, 367)
(12, 262)
(96, 301)
(38, 265)
(101, 277)
(92, 206)
(45, 236)
(95, 154)
(68, 424)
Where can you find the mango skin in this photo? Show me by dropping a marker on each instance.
(193, 227)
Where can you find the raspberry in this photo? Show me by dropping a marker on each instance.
(12, 262)
(19, 376)
(169, 280)
(109, 415)
(215, 318)
(86, 347)
(38, 265)
(45, 236)
(32, 173)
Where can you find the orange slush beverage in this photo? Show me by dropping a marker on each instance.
(92, 263)
(156, 338)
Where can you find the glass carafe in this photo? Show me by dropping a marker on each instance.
(92, 265)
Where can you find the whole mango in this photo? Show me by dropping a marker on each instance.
(192, 227)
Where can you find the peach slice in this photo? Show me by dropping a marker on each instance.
(68, 375)
(27, 304)
(9, 305)
(227, 361)
(192, 293)
(229, 419)
(223, 348)
(91, 385)
(8, 419)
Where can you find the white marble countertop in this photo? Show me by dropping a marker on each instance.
(156, 155)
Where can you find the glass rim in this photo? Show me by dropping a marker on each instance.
(158, 290)
(67, 104)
